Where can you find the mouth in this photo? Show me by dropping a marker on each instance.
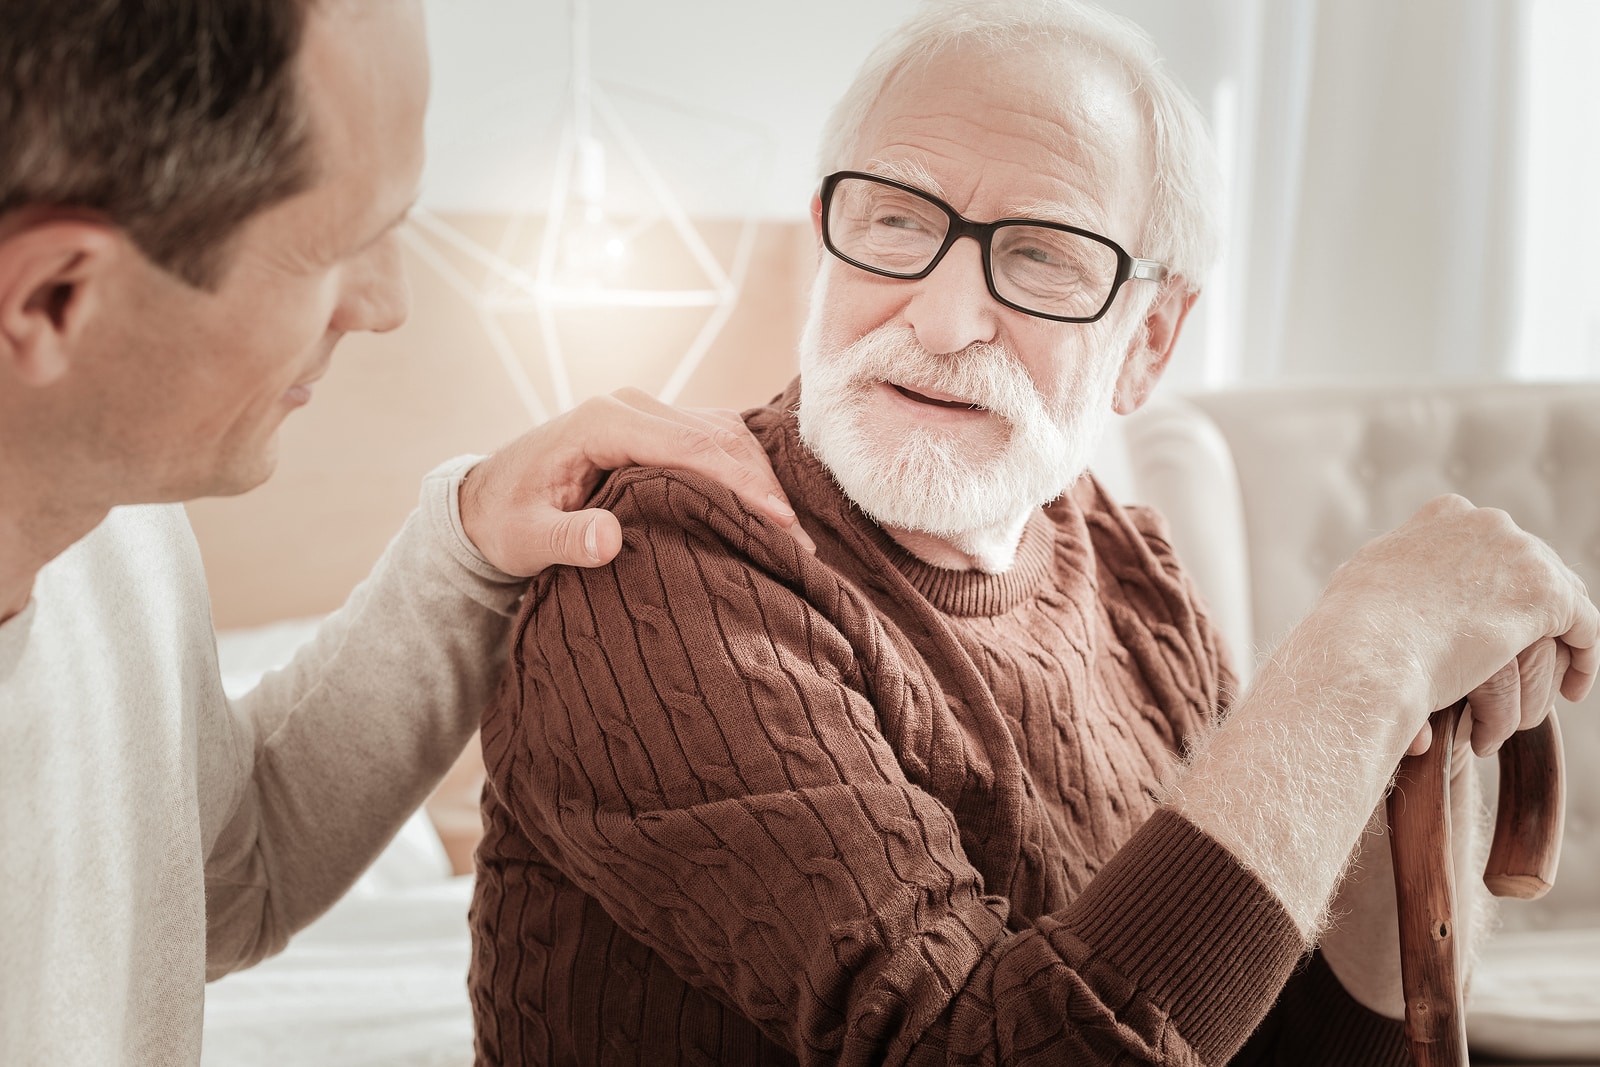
(300, 391)
(935, 399)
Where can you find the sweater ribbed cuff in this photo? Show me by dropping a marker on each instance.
(1198, 934)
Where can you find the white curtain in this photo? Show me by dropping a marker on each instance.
(1559, 336)
(1381, 178)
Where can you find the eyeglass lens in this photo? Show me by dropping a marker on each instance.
(1038, 268)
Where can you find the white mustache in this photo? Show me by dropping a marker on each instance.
(983, 373)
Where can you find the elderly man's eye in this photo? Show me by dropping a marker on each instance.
(900, 222)
(1037, 255)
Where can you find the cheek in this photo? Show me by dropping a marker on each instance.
(1080, 356)
(294, 321)
(847, 304)
(1054, 361)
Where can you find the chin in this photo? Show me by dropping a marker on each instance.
(963, 487)
(239, 473)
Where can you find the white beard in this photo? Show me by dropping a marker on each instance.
(974, 493)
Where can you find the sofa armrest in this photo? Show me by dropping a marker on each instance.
(1181, 466)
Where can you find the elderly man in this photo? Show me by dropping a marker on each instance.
(196, 201)
(917, 798)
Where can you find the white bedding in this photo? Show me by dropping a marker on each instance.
(381, 978)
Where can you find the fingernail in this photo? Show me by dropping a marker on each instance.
(805, 540)
(780, 505)
(591, 540)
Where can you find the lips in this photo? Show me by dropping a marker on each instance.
(300, 391)
(935, 398)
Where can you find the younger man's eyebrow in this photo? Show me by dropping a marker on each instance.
(396, 220)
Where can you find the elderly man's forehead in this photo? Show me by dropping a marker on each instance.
(1072, 112)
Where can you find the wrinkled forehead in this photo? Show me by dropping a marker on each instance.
(1018, 130)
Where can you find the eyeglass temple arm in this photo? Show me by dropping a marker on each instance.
(1149, 270)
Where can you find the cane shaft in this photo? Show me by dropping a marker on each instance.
(1419, 841)
(1529, 817)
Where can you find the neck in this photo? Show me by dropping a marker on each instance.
(991, 550)
(36, 526)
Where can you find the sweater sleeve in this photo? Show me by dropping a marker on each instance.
(320, 764)
(691, 737)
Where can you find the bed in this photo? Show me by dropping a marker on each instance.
(381, 978)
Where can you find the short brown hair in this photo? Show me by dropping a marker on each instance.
(176, 119)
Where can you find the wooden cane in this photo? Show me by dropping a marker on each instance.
(1522, 864)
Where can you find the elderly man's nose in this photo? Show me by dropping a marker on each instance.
(952, 308)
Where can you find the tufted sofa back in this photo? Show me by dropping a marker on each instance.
(1266, 492)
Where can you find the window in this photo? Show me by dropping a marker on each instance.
(1559, 332)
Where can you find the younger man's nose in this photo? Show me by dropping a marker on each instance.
(377, 294)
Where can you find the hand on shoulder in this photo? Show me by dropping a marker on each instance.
(523, 506)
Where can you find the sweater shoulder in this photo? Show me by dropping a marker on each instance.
(1152, 599)
(1125, 533)
(711, 513)
(710, 518)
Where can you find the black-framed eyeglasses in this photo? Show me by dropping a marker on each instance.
(1048, 269)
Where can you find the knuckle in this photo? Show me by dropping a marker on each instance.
(1447, 504)
(598, 407)
(729, 439)
(1540, 655)
(562, 539)
(1502, 684)
(1498, 520)
(713, 441)
(697, 442)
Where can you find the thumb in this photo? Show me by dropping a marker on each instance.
(553, 537)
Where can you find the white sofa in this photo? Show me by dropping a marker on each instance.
(1268, 491)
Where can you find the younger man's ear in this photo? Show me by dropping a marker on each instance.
(1151, 349)
(51, 274)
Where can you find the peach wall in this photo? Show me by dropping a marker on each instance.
(393, 406)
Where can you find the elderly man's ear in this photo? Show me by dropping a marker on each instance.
(51, 276)
(1151, 348)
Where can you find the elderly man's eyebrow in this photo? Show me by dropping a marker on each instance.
(915, 174)
(1055, 211)
(909, 172)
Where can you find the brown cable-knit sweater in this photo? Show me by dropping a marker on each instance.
(750, 806)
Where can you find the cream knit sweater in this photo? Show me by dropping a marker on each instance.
(154, 834)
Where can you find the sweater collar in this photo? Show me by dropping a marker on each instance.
(954, 592)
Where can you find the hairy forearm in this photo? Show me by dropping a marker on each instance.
(1289, 781)
(1455, 602)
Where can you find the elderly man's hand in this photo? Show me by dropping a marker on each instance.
(517, 506)
(1487, 611)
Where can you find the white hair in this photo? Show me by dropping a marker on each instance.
(1181, 229)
